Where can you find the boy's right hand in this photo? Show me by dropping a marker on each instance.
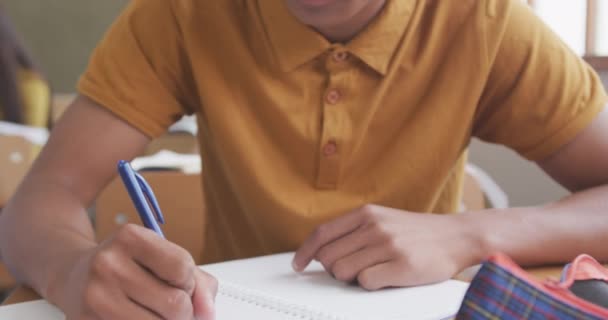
(135, 275)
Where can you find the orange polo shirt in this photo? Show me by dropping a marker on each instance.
(295, 130)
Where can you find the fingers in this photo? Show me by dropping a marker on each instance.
(383, 247)
(113, 305)
(155, 278)
(344, 247)
(149, 292)
(166, 260)
(203, 299)
(349, 267)
(376, 277)
(396, 273)
(325, 234)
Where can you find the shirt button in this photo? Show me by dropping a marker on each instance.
(330, 148)
(333, 96)
(340, 56)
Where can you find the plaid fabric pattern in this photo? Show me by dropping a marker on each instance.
(495, 293)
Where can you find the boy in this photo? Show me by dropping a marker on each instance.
(343, 119)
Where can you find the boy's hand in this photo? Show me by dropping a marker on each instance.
(135, 275)
(383, 247)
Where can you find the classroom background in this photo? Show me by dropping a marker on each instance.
(62, 34)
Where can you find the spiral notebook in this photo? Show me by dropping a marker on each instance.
(266, 288)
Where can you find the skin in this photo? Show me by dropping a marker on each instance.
(136, 275)
(337, 20)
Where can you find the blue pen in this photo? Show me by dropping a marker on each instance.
(142, 196)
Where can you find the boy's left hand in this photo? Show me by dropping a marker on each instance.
(383, 247)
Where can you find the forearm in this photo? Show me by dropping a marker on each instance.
(43, 229)
(554, 233)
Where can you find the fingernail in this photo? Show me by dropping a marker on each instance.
(210, 315)
(295, 265)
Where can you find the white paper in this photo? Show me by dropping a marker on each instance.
(37, 310)
(315, 289)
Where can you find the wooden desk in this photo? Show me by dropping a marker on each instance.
(6, 280)
(22, 294)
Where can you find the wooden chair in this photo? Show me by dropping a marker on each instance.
(15, 161)
(60, 103)
(472, 194)
(480, 191)
(180, 198)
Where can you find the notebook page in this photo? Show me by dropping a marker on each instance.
(273, 276)
(227, 307)
(233, 302)
(36, 310)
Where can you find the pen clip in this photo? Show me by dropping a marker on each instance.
(149, 194)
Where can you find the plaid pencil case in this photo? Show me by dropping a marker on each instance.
(502, 290)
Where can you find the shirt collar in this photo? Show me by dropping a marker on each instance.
(295, 43)
(377, 44)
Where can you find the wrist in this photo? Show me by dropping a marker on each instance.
(61, 274)
(502, 230)
(477, 236)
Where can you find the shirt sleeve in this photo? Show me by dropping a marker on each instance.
(139, 70)
(539, 94)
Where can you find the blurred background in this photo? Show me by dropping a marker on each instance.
(62, 34)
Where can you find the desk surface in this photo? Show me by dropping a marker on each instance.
(23, 294)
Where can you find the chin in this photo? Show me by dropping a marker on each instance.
(318, 12)
(313, 4)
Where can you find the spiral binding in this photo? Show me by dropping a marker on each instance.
(266, 301)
